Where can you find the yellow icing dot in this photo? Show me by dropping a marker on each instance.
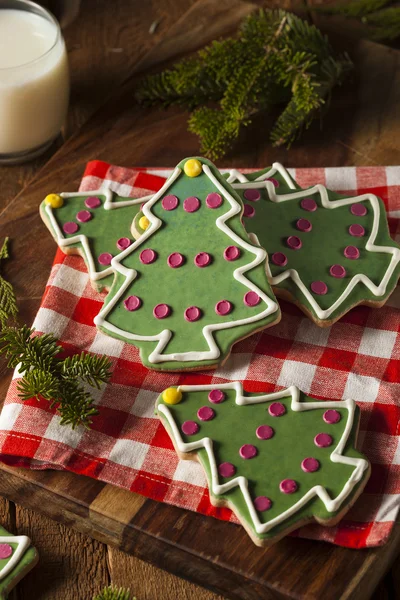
(144, 222)
(192, 167)
(172, 395)
(54, 200)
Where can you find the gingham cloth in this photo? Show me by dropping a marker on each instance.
(357, 358)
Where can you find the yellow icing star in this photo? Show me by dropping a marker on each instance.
(54, 200)
(192, 167)
(144, 222)
(172, 396)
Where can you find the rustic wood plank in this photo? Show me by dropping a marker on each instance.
(73, 566)
(161, 534)
(149, 583)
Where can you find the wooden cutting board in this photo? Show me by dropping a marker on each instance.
(360, 129)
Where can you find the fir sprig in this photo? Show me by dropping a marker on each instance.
(45, 376)
(114, 593)
(382, 19)
(8, 302)
(276, 59)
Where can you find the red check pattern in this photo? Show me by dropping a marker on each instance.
(359, 357)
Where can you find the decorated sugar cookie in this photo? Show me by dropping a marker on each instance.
(96, 225)
(17, 558)
(327, 253)
(192, 284)
(277, 460)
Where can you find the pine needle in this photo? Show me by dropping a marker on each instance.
(113, 593)
(45, 376)
(277, 59)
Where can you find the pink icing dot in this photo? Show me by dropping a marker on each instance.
(202, 259)
(123, 243)
(213, 200)
(161, 311)
(310, 465)
(105, 258)
(5, 551)
(294, 242)
(190, 427)
(251, 299)
(358, 210)
(288, 486)
(308, 204)
(216, 396)
(264, 432)
(276, 409)
(351, 252)
(303, 225)
(262, 503)
(191, 204)
(226, 469)
(231, 253)
(205, 413)
(274, 181)
(70, 227)
(93, 202)
(280, 259)
(356, 230)
(83, 216)
(337, 271)
(132, 303)
(175, 260)
(249, 211)
(223, 307)
(169, 202)
(148, 256)
(193, 313)
(323, 440)
(252, 194)
(319, 287)
(331, 416)
(248, 451)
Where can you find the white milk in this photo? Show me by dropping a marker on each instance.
(34, 82)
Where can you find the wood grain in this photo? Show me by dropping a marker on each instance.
(360, 130)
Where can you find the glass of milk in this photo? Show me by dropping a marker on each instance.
(34, 80)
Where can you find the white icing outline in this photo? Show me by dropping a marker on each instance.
(237, 177)
(109, 204)
(130, 274)
(217, 489)
(378, 291)
(23, 544)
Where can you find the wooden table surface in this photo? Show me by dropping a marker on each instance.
(107, 44)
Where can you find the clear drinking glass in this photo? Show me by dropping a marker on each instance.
(34, 80)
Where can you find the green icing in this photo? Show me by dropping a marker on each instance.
(26, 563)
(189, 285)
(322, 247)
(102, 231)
(278, 458)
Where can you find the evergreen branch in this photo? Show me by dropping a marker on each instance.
(114, 593)
(8, 302)
(276, 58)
(4, 249)
(353, 8)
(93, 370)
(44, 375)
(386, 24)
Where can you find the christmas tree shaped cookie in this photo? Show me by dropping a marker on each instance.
(327, 253)
(192, 284)
(96, 225)
(277, 460)
(17, 558)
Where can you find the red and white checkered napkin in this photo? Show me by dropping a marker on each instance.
(359, 358)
